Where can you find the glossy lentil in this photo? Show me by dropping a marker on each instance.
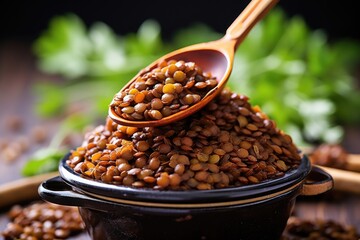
(41, 221)
(226, 144)
(168, 88)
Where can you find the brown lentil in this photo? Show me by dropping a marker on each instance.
(43, 220)
(297, 229)
(219, 146)
(330, 155)
(168, 88)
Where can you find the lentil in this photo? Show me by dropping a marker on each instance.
(174, 84)
(43, 220)
(298, 229)
(194, 153)
(330, 155)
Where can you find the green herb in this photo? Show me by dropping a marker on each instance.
(47, 159)
(94, 63)
(43, 161)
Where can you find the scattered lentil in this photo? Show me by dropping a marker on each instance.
(39, 134)
(298, 229)
(42, 220)
(330, 155)
(14, 123)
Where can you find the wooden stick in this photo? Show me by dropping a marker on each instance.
(22, 189)
(344, 180)
(353, 162)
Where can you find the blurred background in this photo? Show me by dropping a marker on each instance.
(61, 62)
(25, 20)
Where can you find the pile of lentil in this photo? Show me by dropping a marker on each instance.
(301, 229)
(330, 155)
(43, 221)
(170, 87)
(227, 143)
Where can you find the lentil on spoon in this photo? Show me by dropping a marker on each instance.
(170, 87)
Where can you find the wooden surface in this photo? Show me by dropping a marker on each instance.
(18, 73)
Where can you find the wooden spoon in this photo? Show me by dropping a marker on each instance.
(215, 57)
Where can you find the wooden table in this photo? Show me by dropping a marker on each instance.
(18, 73)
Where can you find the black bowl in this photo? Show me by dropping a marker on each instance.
(258, 211)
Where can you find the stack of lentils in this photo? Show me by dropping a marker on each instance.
(42, 221)
(170, 87)
(227, 143)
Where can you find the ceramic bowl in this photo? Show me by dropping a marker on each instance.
(258, 211)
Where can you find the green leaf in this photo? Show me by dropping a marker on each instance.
(76, 122)
(43, 161)
(196, 33)
(64, 47)
(146, 42)
(51, 101)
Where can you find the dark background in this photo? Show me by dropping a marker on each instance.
(25, 20)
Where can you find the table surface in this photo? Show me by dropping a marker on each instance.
(18, 73)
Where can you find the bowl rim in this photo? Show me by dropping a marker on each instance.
(126, 194)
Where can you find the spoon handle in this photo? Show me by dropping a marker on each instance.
(253, 12)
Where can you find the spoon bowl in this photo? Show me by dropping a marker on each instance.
(216, 57)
